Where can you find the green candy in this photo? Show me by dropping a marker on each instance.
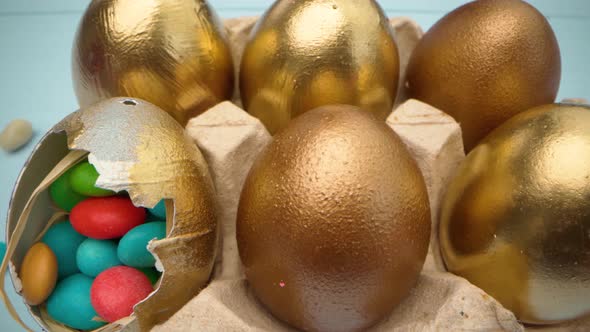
(63, 195)
(83, 181)
(151, 273)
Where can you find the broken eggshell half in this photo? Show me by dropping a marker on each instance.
(138, 148)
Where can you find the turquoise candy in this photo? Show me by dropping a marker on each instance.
(132, 248)
(95, 256)
(64, 242)
(70, 303)
(2, 250)
(159, 211)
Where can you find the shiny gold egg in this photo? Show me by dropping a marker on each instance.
(485, 62)
(173, 54)
(309, 53)
(516, 219)
(38, 274)
(334, 221)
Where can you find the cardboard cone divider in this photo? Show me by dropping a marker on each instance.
(137, 148)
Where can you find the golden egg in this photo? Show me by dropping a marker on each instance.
(334, 221)
(173, 54)
(38, 274)
(485, 62)
(516, 219)
(309, 53)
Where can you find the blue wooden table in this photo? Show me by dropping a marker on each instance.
(36, 39)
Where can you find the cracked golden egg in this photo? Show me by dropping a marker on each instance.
(485, 62)
(334, 221)
(173, 54)
(309, 53)
(516, 219)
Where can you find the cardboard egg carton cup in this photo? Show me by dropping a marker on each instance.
(231, 139)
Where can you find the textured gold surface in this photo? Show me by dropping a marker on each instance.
(334, 221)
(485, 62)
(173, 54)
(308, 53)
(516, 219)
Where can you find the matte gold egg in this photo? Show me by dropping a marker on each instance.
(173, 54)
(334, 221)
(308, 53)
(485, 62)
(516, 219)
(38, 274)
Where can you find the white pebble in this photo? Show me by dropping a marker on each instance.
(15, 135)
(581, 101)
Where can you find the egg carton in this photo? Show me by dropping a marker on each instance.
(231, 139)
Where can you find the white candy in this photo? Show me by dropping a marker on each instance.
(15, 135)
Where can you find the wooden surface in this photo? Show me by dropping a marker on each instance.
(36, 38)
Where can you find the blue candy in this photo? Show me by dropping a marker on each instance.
(64, 242)
(95, 256)
(159, 211)
(2, 250)
(70, 303)
(132, 248)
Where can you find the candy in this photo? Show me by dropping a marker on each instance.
(159, 211)
(2, 250)
(16, 135)
(83, 181)
(152, 274)
(95, 256)
(64, 242)
(117, 290)
(38, 273)
(132, 248)
(70, 303)
(63, 195)
(105, 218)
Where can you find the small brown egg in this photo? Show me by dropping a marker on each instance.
(485, 62)
(334, 221)
(38, 274)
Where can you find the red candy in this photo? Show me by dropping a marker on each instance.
(105, 218)
(117, 290)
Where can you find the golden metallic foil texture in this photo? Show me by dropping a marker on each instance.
(485, 62)
(309, 53)
(172, 53)
(334, 221)
(516, 219)
(137, 147)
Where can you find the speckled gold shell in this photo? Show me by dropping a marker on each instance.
(485, 62)
(516, 219)
(308, 53)
(173, 54)
(334, 221)
(135, 147)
